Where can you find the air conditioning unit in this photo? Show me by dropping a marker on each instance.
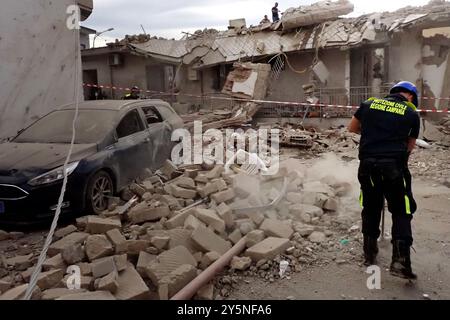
(115, 59)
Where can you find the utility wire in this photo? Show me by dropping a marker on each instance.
(43, 256)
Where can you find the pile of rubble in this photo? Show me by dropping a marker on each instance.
(438, 134)
(168, 232)
(338, 140)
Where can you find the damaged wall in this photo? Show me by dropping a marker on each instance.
(436, 56)
(146, 73)
(37, 54)
(405, 57)
(289, 86)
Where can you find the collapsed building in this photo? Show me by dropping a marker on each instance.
(312, 52)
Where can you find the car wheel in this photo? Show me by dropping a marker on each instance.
(99, 190)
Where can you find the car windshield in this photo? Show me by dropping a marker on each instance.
(92, 126)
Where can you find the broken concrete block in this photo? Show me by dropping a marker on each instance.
(206, 292)
(16, 235)
(109, 282)
(240, 263)
(97, 225)
(73, 254)
(235, 236)
(18, 293)
(220, 184)
(179, 278)
(342, 189)
(50, 279)
(143, 261)
(90, 296)
(4, 235)
(298, 209)
(181, 237)
(256, 217)
(201, 178)
(268, 249)
(215, 173)
(163, 291)
(67, 241)
(98, 246)
(246, 185)
(207, 190)
(103, 266)
(61, 233)
(134, 247)
(168, 261)
(276, 228)
(26, 275)
(185, 182)
(182, 192)
(317, 237)
(208, 241)
(246, 226)
(255, 237)
(309, 198)
(210, 217)
(156, 233)
(192, 223)
(223, 196)
(81, 222)
(148, 186)
(5, 285)
(208, 259)
(137, 190)
(169, 170)
(304, 230)
(121, 262)
(226, 214)
(20, 263)
(118, 240)
(331, 205)
(131, 286)
(318, 187)
(85, 268)
(178, 219)
(143, 214)
(55, 293)
(295, 198)
(160, 242)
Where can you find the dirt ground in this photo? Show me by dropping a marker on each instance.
(348, 280)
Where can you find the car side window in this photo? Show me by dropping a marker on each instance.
(152, 115)
(130, 124)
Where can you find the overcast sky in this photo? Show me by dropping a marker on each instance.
(168, 18)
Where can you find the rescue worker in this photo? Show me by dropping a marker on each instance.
(133, 95)
(389, 128)
(275, 13)
(265, 20)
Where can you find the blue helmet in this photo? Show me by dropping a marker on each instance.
(408, 87)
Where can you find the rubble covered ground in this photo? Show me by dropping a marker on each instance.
(173, 224)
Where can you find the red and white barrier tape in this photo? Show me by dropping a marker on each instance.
(284, 103)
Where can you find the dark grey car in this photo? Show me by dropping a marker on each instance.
(115, 142)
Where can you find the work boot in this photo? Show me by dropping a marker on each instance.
(370, 251)
(401, 260)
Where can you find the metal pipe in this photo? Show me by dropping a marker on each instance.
(206, 276)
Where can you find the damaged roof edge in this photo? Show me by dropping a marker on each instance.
(344, 33)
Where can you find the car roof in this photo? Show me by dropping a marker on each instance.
(113, 105)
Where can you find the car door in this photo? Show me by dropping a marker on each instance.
(160, 133)
(132, 146)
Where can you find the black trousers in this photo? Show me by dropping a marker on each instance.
(388, 179)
